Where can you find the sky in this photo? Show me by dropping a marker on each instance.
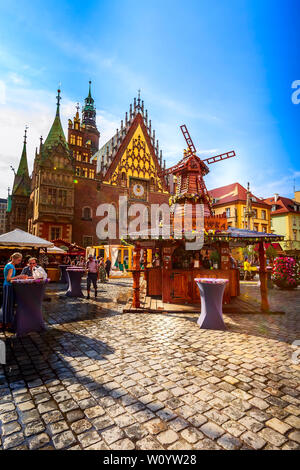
(224, 68)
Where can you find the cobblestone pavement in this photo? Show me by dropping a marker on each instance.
(100, 379)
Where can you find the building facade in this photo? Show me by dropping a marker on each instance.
(234, 200)
(72, 177)
(285, 220)
(3, 209)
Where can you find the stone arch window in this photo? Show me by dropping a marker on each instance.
(87, 213)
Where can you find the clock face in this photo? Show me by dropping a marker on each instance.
(138, 189)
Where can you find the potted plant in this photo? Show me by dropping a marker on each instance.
(285, 273)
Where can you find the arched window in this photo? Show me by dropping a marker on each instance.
(87, 213)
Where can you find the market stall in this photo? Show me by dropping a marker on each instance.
(26, 243)
(120, 256)
(171, 274)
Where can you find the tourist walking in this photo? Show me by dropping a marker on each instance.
(107, 267)
(8, 291)
(247, 269)
(92, 275)
(102, 271)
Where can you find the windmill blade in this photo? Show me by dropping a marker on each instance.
(188, 139)
(218, 158)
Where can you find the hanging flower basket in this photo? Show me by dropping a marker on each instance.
(285, 273)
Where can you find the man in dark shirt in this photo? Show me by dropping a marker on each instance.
(29, 268)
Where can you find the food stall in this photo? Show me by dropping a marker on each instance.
(171, 273)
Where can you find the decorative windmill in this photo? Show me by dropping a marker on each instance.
(189, 174)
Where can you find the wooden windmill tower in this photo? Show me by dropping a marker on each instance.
(189, 175)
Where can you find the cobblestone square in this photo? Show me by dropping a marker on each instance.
(98, 378)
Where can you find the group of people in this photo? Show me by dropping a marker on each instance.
(96, 269)
(8, 304)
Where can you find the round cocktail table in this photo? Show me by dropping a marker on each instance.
(63, 274)
(29, 296)
(211, 293)
(74, 277)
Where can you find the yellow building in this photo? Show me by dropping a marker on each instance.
(232, 199)
(285, 220)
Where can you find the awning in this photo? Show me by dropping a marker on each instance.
(19, 238)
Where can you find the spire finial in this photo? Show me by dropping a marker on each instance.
(25, 135)
(90, 92)
(77, 107)
(58, 98)
(139, 93)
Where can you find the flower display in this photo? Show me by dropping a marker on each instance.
(285, 273)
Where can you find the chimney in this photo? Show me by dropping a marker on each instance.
(276, 195)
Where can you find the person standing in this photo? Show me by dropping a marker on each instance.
(107, 267)
(92, 275)
(8, 292)
(102, 271)
(247, 269)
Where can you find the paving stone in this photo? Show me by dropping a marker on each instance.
(10, 428)
(47, 406)
(293, 421)
(234, 428)
(8, 417)
(52, 416)
(136, 432)
(35, 427)
(103, 422)
(100, 445)
(123, 444)
(148, 443)
(58, 427)
(63, 440)
(155, 426)
(13, 440)
(112, 435)
(272, 437)
(251, 424)
(278, 425)
(295, 436)
(253, 440)
(229, 442)
(74, 415)
(81, 426)
(29, 416)
(212, 430)
(38, 441)
(191, 435)
(94, 412)
(89, 438)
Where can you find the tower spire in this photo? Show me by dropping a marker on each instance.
(22, 180)
(56, 134)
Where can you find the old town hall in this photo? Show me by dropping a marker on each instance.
(72, 176)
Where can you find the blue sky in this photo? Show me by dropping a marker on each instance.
(223, 68)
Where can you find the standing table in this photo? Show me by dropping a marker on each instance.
(63, 274)
(74, 277)
(29, 296)
(211, 293)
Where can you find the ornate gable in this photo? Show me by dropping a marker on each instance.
(136, 160)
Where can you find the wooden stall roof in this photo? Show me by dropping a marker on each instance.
(232, 234)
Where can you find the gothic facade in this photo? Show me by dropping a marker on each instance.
(72, 177)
